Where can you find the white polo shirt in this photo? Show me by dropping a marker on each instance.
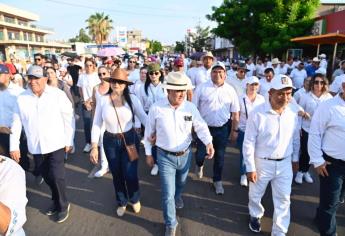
(173, 127)
(48, 121)
(216, 103)
(247, 105)
(327, 131)
(237, 84)
(13, 194)
(298, 77)
(270, 135)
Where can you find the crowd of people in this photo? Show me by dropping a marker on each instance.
(283, 117)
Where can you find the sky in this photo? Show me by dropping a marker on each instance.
(164, 20)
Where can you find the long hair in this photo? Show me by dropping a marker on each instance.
(148, 81)
(325, 80)
(127, 98)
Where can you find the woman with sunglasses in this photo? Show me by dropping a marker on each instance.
(248, 101)
(318, 92)
(98, 91)
(116, 110)
(150, 93)
(133, 72)
(86, 82)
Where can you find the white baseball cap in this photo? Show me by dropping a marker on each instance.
(322, 55)
(218, 64)
(321, 70)
(280, 82)
(315, 59)
(252, 80)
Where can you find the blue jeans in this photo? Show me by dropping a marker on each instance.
(173, 175)
(220, 136)
(240, 139)
(124, 172)
(330, 191)
(87, 124)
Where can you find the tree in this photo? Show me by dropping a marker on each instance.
(81, 37)
(259, 27)
(154, 47)
(180, 46)
(99, 26)
(199, 39)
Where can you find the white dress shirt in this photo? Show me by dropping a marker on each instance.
(191, 73)
(87, 82)
(336, 86)
(173, 127)
(265, 86)
(13, 194)
(309, 103)
(48, 121)
(249, 106)
(270, 135)
(327, 131)
(251, 67)
(299, 93)
(154, 94)
(277, 70)
(260, 71)
(105, 113)
(8, 99)
(134, 75)
(237, 84)
(215, 104)
(201, 76)
(298, 77)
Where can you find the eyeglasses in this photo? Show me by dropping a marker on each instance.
(131, 61)
(117, 82)
(37, 59)
(254, 84)
(319, 82)
(31, 77)
(100, 74)
(154, 73)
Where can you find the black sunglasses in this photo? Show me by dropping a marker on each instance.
(117, 82)
(131, 62)
(154, 73)
(319, 82)
(31, 77)
(37, 59)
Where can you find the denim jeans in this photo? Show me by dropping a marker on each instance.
(87, 124)
(220, 136)
(124, 172)
(173, 175)
(330, 192)
(240, 139)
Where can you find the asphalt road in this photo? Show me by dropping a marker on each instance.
(93, 205)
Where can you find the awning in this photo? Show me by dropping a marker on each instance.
(331, 38)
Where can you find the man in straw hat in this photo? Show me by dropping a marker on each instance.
(204, 72)
(270, 150)
(171, 120)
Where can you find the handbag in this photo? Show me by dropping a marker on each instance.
(131, 149)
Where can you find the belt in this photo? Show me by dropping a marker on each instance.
(333, 160)
(177, 154)
(273, 159)
(117, 135)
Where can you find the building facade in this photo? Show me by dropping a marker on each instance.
(20, 38)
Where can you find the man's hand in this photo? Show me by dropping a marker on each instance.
(68, 149)
(152, 139)
(233, 136)
(295, 166)
(252, 177)
(209, 151)
(15, 155)
(149, 160)
(322, 170)
(94, 155)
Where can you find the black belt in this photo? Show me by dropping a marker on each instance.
(117, 135)
(177, 154)
(333, 160)
(219, 127)
(273, 159)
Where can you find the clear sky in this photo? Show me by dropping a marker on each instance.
(162, 20)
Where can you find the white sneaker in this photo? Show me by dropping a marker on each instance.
(87, 148)
(299, 177)
(101, 172)
(121, 210)
(199, 171)
(136, 207)
(218, 186)
(244, 181)
(308, 178)
(154, 170)
(142, 141)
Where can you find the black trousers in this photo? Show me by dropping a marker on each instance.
(52, 169)
(304, 155)
(23, 147)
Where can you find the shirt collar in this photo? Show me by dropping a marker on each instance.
(167, 103)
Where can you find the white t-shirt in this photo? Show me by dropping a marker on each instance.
(298, 77)
(87, 82)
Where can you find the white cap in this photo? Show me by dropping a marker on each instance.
(321, 70)
(252, 80)
(280, 82)
(322, 55)
(218, 64)
(275, 61)
(315, 59)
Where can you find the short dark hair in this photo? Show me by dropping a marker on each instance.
(39, 55)
(268, 70)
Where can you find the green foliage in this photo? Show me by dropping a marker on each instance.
(154, 47)
(99, 26)
(180, 46)
(260, 27)
(81, 37)
(199, 39)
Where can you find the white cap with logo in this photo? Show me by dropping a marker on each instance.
(281, 82)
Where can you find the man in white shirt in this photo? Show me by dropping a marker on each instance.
(250, 67)
(265, 84)
(237, 81)
(204, 72)
(47, 117)
(335, 86)
(323, 61)
(217, 102)
(327, 154)
(12, 198)
(260, 69)
(271, 143)
(275, 66)
(298, 75)
(171, 120)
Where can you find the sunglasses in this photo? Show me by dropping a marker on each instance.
(154, 73)
(131, 62)
(37, 59)
(117, 82)
(254, 84)
(100, 74)
(319, 82)
(31, 77)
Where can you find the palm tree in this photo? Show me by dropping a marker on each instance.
(99, 26)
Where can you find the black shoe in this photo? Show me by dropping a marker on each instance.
(63, 215)
(51, 210)
(255, 224)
